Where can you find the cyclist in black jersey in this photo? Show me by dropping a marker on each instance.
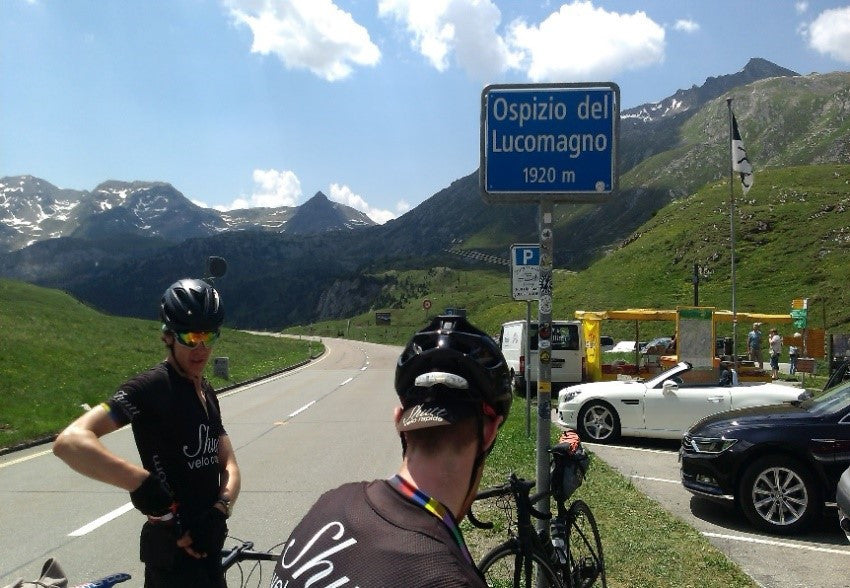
(454, 389)
(189, 478)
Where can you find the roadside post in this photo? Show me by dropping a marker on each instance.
(548, 143)
(525, 285)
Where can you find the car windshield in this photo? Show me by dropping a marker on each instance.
(834, 399)
(676, 370)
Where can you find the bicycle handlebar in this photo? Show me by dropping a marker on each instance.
(520, 489)
(494, 492)
(244, 552)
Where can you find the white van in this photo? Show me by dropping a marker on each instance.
(568, 362)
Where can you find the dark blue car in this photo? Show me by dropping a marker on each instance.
(780, 463)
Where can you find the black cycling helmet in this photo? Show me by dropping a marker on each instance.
(452, 345)
(191, 305)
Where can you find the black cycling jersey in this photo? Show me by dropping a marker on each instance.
(177, 439)
(367, 535)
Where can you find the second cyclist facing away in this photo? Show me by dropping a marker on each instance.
(454, 389)
(189, 478)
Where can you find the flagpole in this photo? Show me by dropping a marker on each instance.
(732, 241)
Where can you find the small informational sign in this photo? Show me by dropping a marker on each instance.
(556, 142)
(525, 272)
(695, 334)
(426, 304)
(800, 312)
(221, 367)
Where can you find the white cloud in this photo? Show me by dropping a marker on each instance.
(344, 195)
(402, 206)
(829, 33)
(801, 7)
(464, 28)
(582, 41)
(686, 25)
(272, 189)
(307, 34)
(578, 41)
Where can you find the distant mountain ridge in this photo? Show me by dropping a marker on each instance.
(294, 277)
(696, 96)
(32, 210)
(651, 128)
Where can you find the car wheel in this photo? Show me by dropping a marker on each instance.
(778, 495)
(598, 422)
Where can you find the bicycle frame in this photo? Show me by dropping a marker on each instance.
(527, 541)
(565, 553)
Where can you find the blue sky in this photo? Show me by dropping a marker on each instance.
(376, 103)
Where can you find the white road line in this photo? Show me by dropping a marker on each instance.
(646, 450)
(655, 479)
(777, 543)
(303, 408)
(23, 459)
(102, 520)
(345, 382)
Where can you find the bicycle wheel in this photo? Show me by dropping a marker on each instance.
(586, 565)
(507, 567)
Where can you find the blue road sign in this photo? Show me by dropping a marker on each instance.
(555, 141)
(526, 254)
(525, 272)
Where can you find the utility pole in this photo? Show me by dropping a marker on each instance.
(696, 285)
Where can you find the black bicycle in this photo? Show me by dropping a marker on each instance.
(236, 556)
(566, 555)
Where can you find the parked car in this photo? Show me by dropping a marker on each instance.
(567, 359)
(779, 463)
(662, 407)
(626, 346)
(842, 499)
(657, 346)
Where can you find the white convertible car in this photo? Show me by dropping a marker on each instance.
(662, 407)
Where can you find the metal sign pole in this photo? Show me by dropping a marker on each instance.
(548, 143)
(527, 368)
(544, 345)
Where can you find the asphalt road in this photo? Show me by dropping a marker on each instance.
(817, 559)
(295, 436)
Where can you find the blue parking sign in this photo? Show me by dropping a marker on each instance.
(526, 254)
(525, 272)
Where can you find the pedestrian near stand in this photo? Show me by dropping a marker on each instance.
(754, 345)
(775, 342)
(793, 354)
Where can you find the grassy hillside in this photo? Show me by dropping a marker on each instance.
(56, 354)
(792, 239)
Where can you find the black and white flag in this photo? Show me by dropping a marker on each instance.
(740, 163)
